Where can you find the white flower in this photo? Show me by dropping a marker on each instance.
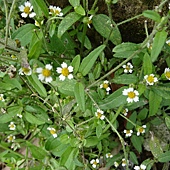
(167, 73)
(125, 111)
(168, 42)
(19, 115)
(45, 73)
(99, 114)
(149, 46)
(150, 79)
(109, 155)
(52, 131)
(25, 71)
(141, 129)
(12, 126)
(55, 11)
(89, 20)
(116, 164)
(124, 162)
(128, 68)
(10, 138)
(94, 163)
(132, 95)
(105, 85)
(26, 10)
(128, 133)
(141, 167)
(2, 97)
(65, 71)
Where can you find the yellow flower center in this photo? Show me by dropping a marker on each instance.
(95, 163)
(65, 72)
(12, 126)
(131, 94)
(1, 98)
(99, 115)
(127, 68)
(168, 43)
(53, 131)
(141, 129)
(25, 70)
(57, 12)
(89, 21)
(27, 9)
(105, 85)
(167, 74)
(150, 79)
(127, 131)
(10, 138)
(46, 72)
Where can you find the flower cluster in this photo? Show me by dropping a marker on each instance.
(94, 162)
(141, 167)
(56, 11)
(150, 79)
(128, 68)
(128, 133)
(99, 114)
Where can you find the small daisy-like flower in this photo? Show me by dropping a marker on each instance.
(89, 21)
(125, 111)
(168, 42)
(132, 95)
(38, 24)
(12, 126)
(19, 115)
(150, 79)
(128, 68)
(52, 131)
(105, 85)
(116, 164)
(99, 114)
(65, 71)
(109, 155)
(94, 162)
(25, 71)
(55, 11)
(45, 73)
(124, 162)
(128, 133)
(141, 167)
(149, 46)
(10, 138)
(141, 129)
(2, 98)
(26, 10)
(167, 73)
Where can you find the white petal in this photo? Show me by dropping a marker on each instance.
(108, 89)
(136, 99)
(27, 3)
(102, 117)
(125, 92)
(33, 14)
(55, 135)
(129, 100)
(21, 8)
(136, 92)
(92, 161)
(60, 14)
(48, 79)
(59, 69)
(39, 70)
(101, 86)
(62, 78)
(64, 65)
(49, 66)
(70, 69)
(24, 15)
(41, 77)
(70, 76)
(97, 160)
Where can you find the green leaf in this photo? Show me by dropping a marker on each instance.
(67, 22)
(80, 10)
(104, 27)
(142, 114)
(24, 34)
(37, 85)
(33, 119)
(87, 42)
(133, 158)
(76, 63)
(125, 79)
(137, 142)
(114, 100)
(164, 157)
(158, 43)
(155, 146)
(163, 91)
(11, 112)
(154, 103)
(97, 71)
(167, 121)
(74, 3)
(152, 15)
(91, 141)
(89, 60)
(80, 95)
(52, 29)
(99, 130)
(52, 143)
(147, 64)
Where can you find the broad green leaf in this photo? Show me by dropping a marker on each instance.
(154, 103)
(164, 157)
(12, 83)
(52, 143)
(137, 142)
(89, 60)
(104, 27)
(155, 146)
(132, 117)
(87, 42)
(125, 79)
(114, 100)
(24, 34)
(98, 130)
(76, 63)
(147, 64)
(74, 3)
(37, 85)
(11, 112)
(91, 141)
(158, 43)
(67, 22)
(80, 95)
(142, 114)
(33, 119)
(140, 103)
(79, 10)
(133, 158)
(162, 91)
(152, 15)
(66, 87)
(97, 71)
(52, 29)
(167, 121)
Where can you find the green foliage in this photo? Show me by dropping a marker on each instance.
(71, 90)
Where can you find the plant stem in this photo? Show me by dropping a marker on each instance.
(94, 4)
(128, 120)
